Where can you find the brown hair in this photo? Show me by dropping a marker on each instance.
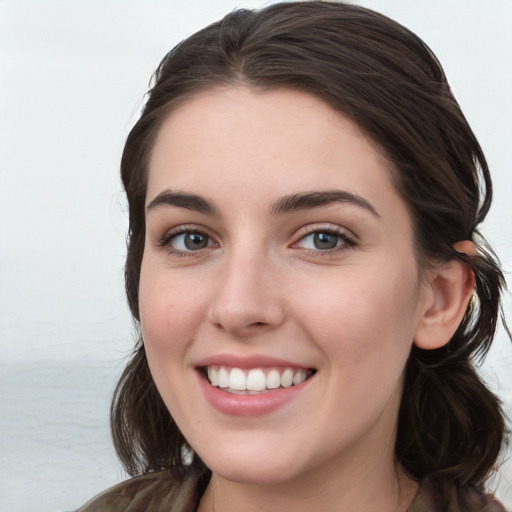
(387, 80)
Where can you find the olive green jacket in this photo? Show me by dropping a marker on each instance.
(166, 491)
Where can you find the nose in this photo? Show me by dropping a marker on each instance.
(247, 299)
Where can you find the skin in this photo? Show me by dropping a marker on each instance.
(261, 287)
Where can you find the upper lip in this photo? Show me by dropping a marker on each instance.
(246, 362)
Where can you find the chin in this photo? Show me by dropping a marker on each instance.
(261, 470)
(252, 475)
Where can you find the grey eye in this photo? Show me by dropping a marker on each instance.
(190, 241)
(321, 241)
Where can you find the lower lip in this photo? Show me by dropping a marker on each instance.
(249, 405)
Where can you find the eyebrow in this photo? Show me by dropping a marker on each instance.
(286, 204)
(309, 200)
(185, 200)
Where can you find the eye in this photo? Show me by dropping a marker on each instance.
(325, 240)
(186, 241)
(321, 241)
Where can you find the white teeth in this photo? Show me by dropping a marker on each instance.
(237, 379)
(299, 377)
(255, 380)
(273, 379)
(213, 376)
(287, 378)
(223, 378)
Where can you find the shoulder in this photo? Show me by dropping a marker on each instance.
(168, 491)
(440, 496)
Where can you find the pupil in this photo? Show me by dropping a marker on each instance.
(194, 241)
(325, 241)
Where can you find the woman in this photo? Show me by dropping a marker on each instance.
(305, 264)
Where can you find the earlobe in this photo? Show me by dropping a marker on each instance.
(450, 287)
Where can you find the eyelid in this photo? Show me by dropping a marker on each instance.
(348, 238)
(325, 227)
(182, 229)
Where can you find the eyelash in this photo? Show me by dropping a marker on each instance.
(166, 240)
(345, 241)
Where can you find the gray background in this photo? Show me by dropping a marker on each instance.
(72, 78)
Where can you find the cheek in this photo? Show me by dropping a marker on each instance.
(169, 320)
(169, 311)
(363, 319)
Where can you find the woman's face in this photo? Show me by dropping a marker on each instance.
(279, 260)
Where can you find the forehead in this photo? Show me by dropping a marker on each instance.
(254, 143)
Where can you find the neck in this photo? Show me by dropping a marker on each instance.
(372, 488)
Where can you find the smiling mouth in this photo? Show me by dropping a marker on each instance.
(255, 380)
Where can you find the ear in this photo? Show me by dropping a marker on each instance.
(448, 291)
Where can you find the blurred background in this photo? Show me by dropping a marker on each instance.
(72, 79)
